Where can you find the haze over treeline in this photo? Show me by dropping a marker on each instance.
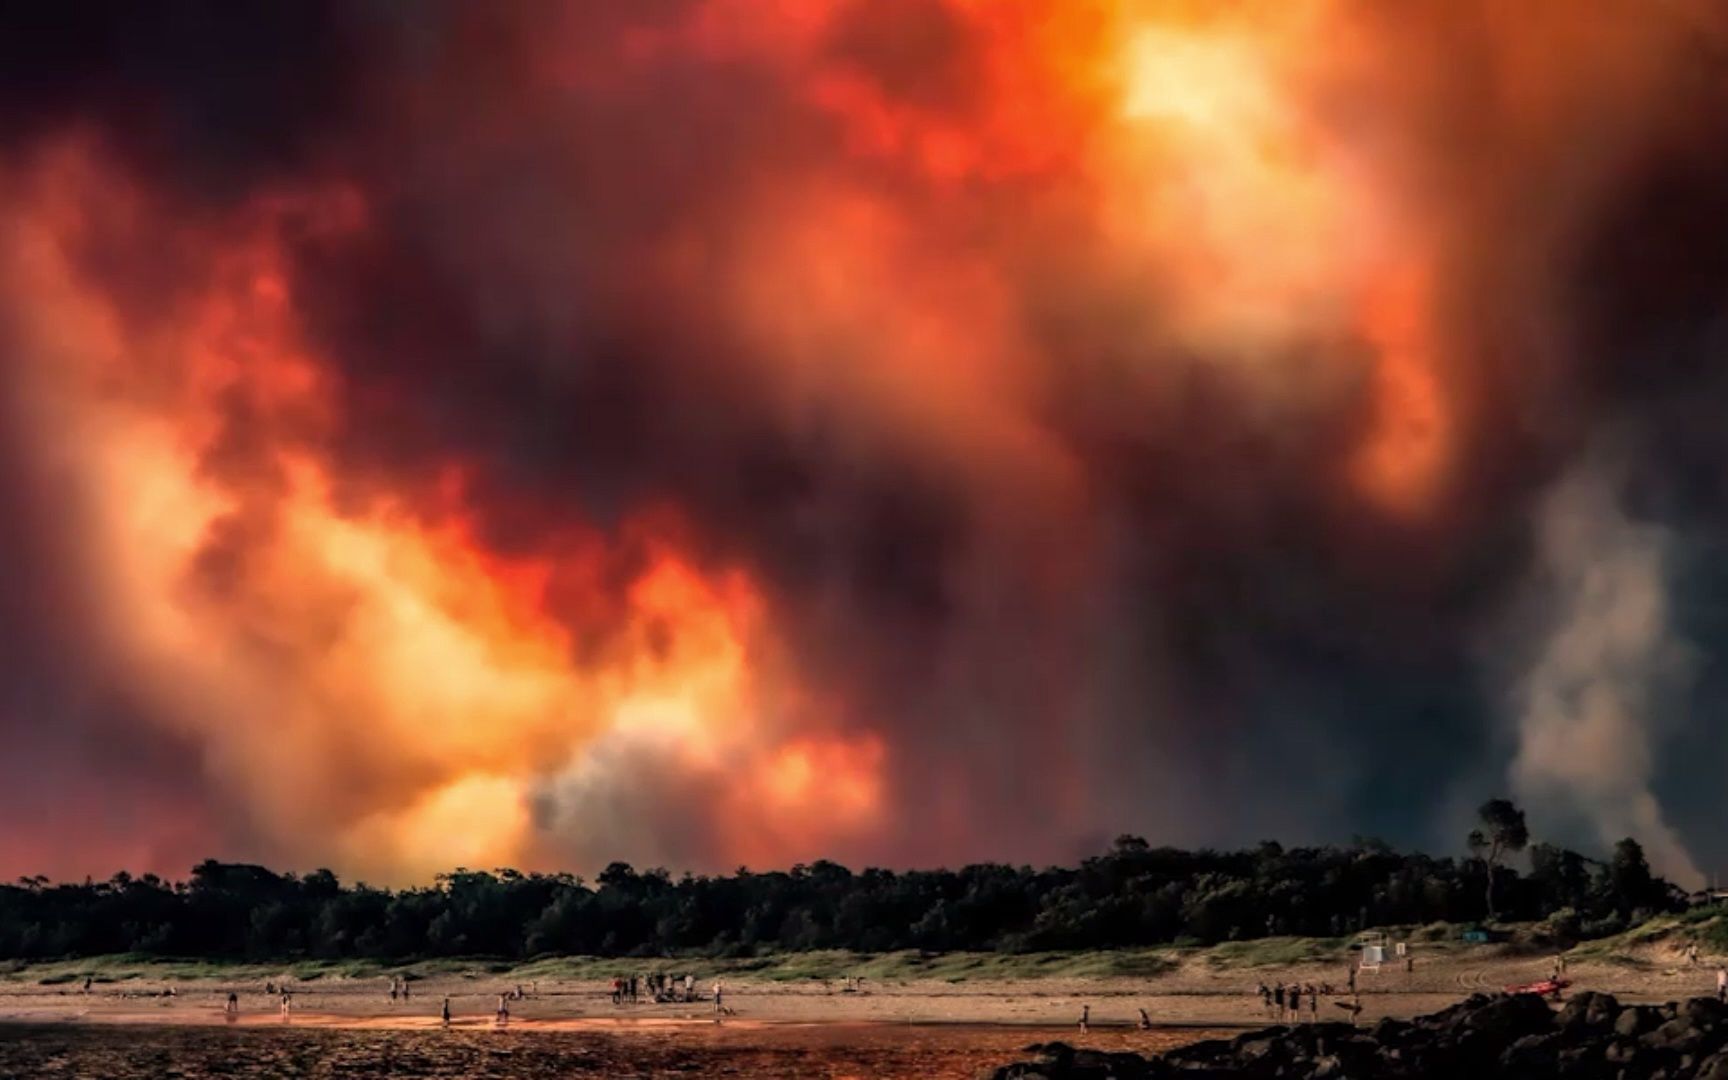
(1132, 895)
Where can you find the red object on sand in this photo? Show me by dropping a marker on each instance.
(1545, 987)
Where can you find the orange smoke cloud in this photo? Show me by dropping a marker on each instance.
(368, 681)
(740, 430)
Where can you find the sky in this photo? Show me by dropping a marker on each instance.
(740, 432)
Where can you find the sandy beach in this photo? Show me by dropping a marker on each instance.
(1196, 992)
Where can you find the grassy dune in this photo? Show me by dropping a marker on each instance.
(956, 967)
(1707, 927)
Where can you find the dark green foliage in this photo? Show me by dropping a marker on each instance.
(1503, 832)
(1133, 895)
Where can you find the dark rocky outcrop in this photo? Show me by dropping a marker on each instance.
(1514, 1036)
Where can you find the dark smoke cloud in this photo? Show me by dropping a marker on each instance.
(1100, 573)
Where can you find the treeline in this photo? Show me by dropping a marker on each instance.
(1133, 895)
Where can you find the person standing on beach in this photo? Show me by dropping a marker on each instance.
(689, 988)
(1722, 984)
(1085, 1018)
(719, 997)
(1266, 1000)
(446, 1010)
(1295, 1001)
(1278, 1000)
(503, 1016)
(1313, 1005)
(233, 1006)
(287, 1004)
(1145, 1021)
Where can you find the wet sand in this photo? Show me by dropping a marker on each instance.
(482, 1051)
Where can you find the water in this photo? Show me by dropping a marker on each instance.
(804, 1051)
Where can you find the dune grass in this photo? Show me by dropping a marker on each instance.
(832, 965)
(1708, 927)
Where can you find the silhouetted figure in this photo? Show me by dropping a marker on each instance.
(1295, 1000)
(1085, 1018)
(1145, 1021)
(445, 1012)
(87, 981)
(233, 1006)
(503, 1009)
(719, 997)
(1278, 1000)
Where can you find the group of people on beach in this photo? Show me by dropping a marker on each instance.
(1284, 1002)
(663, 989)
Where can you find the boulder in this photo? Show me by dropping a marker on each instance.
(1532, 1055)
(1510, 1016)
(1704, 1012)
(1589, 1010)
(1713, 1068)
(1635, 1021)
(1677, 1036)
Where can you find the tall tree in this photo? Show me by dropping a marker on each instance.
(1503, 832)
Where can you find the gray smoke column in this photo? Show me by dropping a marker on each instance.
(1609, 670)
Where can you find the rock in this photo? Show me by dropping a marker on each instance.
(1635, 1021)
(1677, 1036)
(1482, 1038)
(1703, 1012)
(1589, 1010)
(1532, 1055)
(1510, 1016)
(1713, 1068)
(1620, 1052)
(1388, 1030)
(1256, 1045)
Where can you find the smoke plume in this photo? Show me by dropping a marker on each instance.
(1610, 671)
(707, 431)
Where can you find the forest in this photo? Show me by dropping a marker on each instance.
(1132, 895)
